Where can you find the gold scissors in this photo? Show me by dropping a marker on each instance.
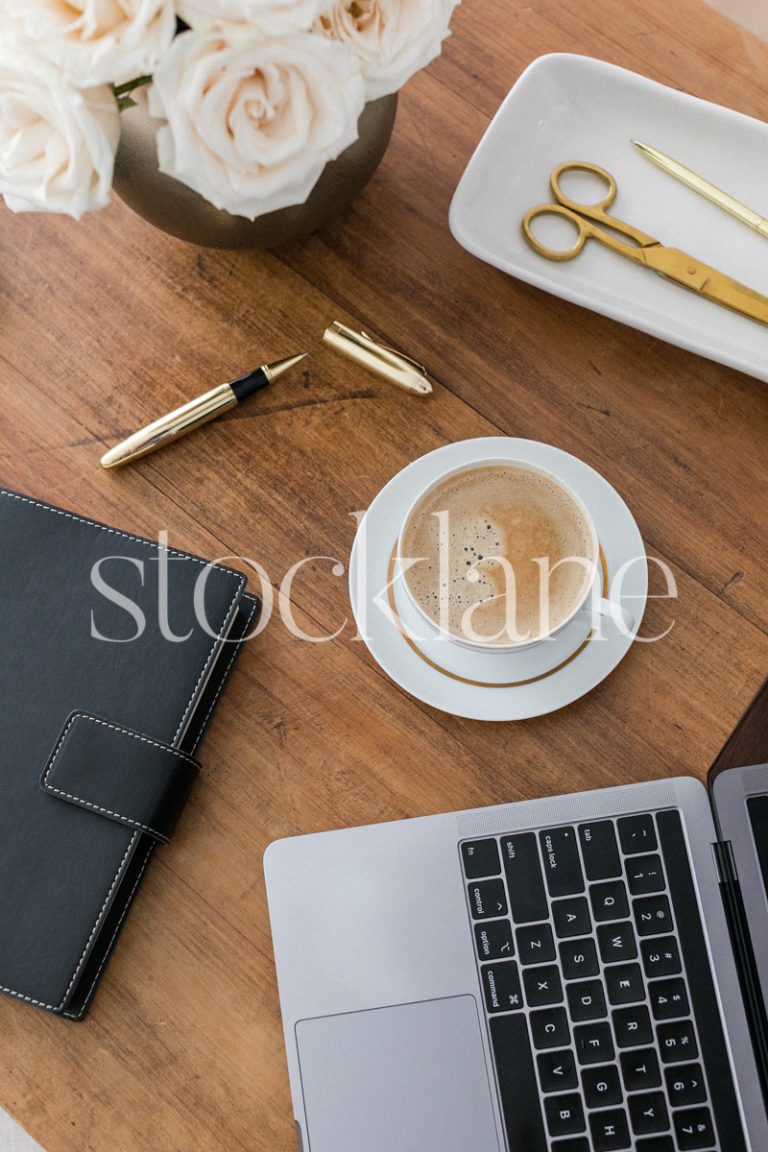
(642, 249)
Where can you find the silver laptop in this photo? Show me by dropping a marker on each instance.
(584, 973)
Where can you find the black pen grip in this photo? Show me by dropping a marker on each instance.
(246, 385)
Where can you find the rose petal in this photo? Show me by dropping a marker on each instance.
(251, 122)
(57, 144)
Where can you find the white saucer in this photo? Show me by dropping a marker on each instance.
(491, 685)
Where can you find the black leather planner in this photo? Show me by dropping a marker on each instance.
(113, 654)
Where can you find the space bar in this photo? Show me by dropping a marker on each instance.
(517, 1084)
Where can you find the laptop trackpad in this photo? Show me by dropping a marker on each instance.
(411, 1078)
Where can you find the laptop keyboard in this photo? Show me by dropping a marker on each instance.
(589, 1009)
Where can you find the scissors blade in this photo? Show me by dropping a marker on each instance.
(706, 281)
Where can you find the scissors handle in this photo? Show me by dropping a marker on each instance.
(595, 211)
(583, 231)
(585, 216)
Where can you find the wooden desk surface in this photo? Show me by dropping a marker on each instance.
(108, 323)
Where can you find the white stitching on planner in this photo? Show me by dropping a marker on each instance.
(216, 644)
(79, 1015)
(116, 728)
(214, 652)
(241, 580)
(56, 1007)
(237, 648)
(81, 961)
(112, 531)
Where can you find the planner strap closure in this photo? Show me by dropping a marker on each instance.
(120, 774)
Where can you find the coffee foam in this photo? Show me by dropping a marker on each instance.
(499, 519)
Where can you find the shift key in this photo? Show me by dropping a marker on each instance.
(522, 867)
(562, 865)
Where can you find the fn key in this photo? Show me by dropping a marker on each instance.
(481, 858)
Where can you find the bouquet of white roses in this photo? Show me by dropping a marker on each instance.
(253, 97)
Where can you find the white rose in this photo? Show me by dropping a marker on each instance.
(274, 17)
(393, 39)
(95, 41)
(251, 123)
(57, 143)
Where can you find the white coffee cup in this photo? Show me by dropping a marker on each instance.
(591, 605)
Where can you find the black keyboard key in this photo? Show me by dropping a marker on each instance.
(668, 998)
(624, 983)
(535, 944)
(640, 1069)
(645, 874)
(632, 1026)
(557, 1071)
(501, 983)
(693, 1129)
(549, 1028)
(609, 901)
(494, 940)
(578, 958)
(571, 917)
(616, 942)
(522, 867)
(565, 1115)
(661, 957)
(652, 915)
(677, 1042)
(602, 1087)
(542, 986)
(574, 1144)
(648, 1113)
(610, 1131)
(481, 858)
(637, 834)
(594, 1043)
(599, 849)
(655, 1144)
(487, 899)
(562, 866)
(586, 1001)
(518, 1090)
(685, 1084)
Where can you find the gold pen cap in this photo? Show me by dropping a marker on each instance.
(390, 365)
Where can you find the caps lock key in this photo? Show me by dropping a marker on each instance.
(562, 866)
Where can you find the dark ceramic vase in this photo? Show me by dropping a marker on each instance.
(177, 209)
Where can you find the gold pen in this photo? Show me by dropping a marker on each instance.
(196, 413)
(722, 199)
(401, 370)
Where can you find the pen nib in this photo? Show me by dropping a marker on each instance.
(272, 371)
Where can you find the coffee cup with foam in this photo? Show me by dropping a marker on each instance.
(501, 555)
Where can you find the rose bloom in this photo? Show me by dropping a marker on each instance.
(95, 41)
(275, 17)
(251, 122)
(57, 143)
(393, 39)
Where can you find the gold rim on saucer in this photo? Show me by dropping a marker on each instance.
(463, 679)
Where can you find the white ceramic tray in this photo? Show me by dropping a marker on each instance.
(567, 107)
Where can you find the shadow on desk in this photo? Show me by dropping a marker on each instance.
(748, 743)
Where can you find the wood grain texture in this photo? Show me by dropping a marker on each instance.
(105, 324)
